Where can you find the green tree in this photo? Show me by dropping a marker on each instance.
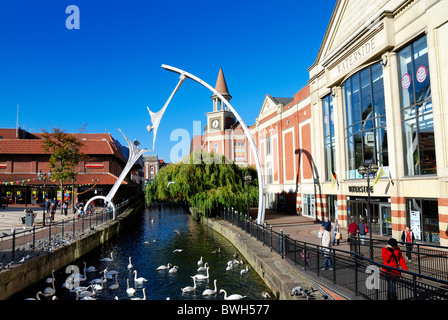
(65, 150)
(206, 182)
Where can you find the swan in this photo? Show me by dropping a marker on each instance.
(189, 288)
(108, 259)
(80, 288)
(265, 294)
(210, 291)
(200, 262)
(203, 268)
(98, 280)
(50, 280)
(162, 267)
(130, 266)
(144, 296)
(178, 250)
(79, 276)
(37, 296)
(173, 269)
(232, 296)
(229, 267)
(138, 280)
(201, 276)
(244, 270)
(49, 291)
(86, 293)
(90, 269)
(129, 291)
(115, 285)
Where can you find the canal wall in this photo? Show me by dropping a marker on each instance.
(277, 273)
(20, 276)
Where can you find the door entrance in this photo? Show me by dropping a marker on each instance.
(385, 219)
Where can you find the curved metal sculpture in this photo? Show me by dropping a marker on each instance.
(134, 154)
(261, 185)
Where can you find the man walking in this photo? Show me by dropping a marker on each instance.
(325, 242)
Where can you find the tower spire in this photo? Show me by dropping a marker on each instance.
(221, 87)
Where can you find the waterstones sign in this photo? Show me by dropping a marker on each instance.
(360, 189)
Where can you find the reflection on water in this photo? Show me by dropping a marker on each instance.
(161, 237)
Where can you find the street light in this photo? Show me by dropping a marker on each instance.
(44, 175)
(367, 169)
(248, 179)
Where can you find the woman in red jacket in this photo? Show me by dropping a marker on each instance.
(392, 257)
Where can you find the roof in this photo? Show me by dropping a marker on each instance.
(283, 101)
(221, 85)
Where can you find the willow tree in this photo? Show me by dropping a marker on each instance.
(205, 181)
(65, 150)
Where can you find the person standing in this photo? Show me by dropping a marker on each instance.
(392, 257)
(325, 243)
(407, 236)
(65, 207)
(351, 235)
(327, 224)
(362, 231)
(47, 205)
(337, 232)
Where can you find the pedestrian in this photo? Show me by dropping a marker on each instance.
(52, 210)
(392, 257)
(65, 207)
(327, 224)
(47, 205)
(325, 243)
(337, 235)
(306, 259)
(407, 236)
(362, 231)
(351, 235)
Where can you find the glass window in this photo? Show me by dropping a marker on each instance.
(366, 134)
(416, 110)
(329, 143)
(268, 145)
(422, 216)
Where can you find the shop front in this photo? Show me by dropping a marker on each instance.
(380, 209)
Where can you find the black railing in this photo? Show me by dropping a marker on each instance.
(19, 245)
(352, 269)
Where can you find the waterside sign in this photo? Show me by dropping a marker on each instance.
(360, 189)
(358, 55)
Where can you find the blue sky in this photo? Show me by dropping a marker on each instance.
(104, 74)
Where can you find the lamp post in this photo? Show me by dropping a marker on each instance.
(44, 175)
(248, 179)
(367, 169)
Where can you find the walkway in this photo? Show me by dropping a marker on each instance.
(11, 217)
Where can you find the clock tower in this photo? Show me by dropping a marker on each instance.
(220, 118)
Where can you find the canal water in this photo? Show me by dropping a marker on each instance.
(162, 236)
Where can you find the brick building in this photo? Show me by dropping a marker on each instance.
(22, 158)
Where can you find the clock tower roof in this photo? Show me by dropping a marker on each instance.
(221, 86)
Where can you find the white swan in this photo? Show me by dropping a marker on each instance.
(79, 276)
(162, 267)
(208, 292)
(130, 266)
(138, 280)
(86, 293)
(201, 276)
(129, 291)
(99, 280)
(232, 296)
(144, 296)
(49, 291)
(203, 268)
(108, 259)
(50, 280)
(37, 296)
(178, 250)
(200, 262)
(115, 285)
(173, 269)
(90, 269)
(244, 270)
(189, 288)
(229, 267)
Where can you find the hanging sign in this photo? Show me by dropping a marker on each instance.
(415, 224)
(406, 81)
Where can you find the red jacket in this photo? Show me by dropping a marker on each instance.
(352, 228)
(389, 260)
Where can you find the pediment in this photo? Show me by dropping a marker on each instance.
(348, 18)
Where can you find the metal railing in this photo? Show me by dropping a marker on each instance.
(20, 245)
(352, 269)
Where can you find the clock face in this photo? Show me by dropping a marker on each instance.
(215, 124)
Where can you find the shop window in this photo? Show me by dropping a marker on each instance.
(308, 205)
(365, 132)
(422, 215)
(416, 110)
